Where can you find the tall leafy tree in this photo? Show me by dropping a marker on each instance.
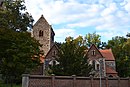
(94, 39)
(121, 48)
(79, 41)
(13, 16)
(19, 52)
(71, 60)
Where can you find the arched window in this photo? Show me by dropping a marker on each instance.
(93, 64)
(40, 33)
(53, 62)
(110, 76)
(98, 67)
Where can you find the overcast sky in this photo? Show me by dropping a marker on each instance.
(107, 18)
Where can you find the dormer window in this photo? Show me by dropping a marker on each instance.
(40, 33)
(93, 52)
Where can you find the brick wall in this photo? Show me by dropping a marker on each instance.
(73, 81)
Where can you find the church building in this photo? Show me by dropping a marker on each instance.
(103, 61)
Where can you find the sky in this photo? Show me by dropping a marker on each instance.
(108, 18)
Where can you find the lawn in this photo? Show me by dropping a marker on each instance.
(5, 85)
(9, 85)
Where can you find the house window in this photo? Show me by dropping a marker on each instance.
(52, 36)
(54, 62)
(54, 53)
(40, 33)
(110, 76)
(93, 52)
(1, 4)
(93, 64)
(98, 67)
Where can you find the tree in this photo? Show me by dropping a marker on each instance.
(19, 52)
(71, 60)
(80, 41)
(121, 50)
(94, 39)
(12, 16)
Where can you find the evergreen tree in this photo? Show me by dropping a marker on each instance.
(71, 60)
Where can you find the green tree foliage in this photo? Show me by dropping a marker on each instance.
(12, 16)
(79, 41)
(121, 50)
(17, 52)
(71, 59)
(94, 39)
(17, 47)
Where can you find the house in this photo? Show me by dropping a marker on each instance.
(103, 62)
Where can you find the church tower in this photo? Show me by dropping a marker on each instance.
(44, 33)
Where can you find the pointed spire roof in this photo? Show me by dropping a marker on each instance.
(42, 18)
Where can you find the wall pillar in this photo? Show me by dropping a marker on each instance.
(118, 81)
(91, 80)
(74, 79)
(107, 85)
(25, 80)
(129, 82)
(53, 80)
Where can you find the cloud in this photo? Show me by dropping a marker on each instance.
(61, 34)
(103, 15)
(107, 35)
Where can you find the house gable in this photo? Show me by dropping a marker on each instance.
(108, 61)
(93, 53)
(52, 54)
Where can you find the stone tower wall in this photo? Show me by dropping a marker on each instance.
(45, 39)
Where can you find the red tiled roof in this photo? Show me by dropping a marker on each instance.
(107, 54)
(110, 71)
(42, 59)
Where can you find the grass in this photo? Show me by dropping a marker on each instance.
(8, 85)
(5, 85)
